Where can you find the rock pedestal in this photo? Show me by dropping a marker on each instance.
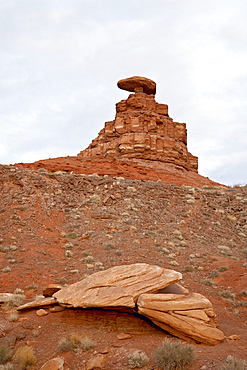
(142, 129)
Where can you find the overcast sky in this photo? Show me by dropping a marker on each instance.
(60, 61)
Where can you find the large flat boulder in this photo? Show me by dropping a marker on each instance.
(188, 317)
(119, 286)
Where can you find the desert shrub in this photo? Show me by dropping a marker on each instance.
(89, 259)
(15, 301)
(208, 282)
(172, 355)
(72, 235)
(5, 353)
(242, 303)
(188, 268)
(25, 357)
(214, 273)
(109, 247)
(13, 316)
(137, 359)
(222, 268)
(75, 341)
(232, 363)
(227, 294)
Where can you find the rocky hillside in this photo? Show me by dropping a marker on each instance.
(60, 227)
(63, 219)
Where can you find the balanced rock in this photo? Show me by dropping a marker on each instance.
(119, 286)
(142, 130)
(188, 317)
(138, 84)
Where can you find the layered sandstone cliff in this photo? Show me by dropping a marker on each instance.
(142, 129)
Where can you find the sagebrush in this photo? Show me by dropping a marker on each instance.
(137, 359)
(232, 363)
(172, 355)
(6, 353)
(25, 357)
(75, 341)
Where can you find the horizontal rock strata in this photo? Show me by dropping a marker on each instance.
(187, 317)
(142, 129)
(151, 289)
(119, 286)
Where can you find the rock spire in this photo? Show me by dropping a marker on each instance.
(143, 130)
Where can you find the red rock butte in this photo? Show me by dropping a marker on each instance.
(143, 129)
(142, 142)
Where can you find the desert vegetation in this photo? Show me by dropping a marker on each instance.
(173, 355)
(76, 341)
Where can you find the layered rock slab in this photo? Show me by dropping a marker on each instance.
(119, 286)
(187, 317)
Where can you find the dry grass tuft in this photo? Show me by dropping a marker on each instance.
(25, 357)
(76, 341)
(232, 363)
(6, 353)
(137, 359)
(172, 355)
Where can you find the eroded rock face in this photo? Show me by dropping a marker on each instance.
(187, 317)
(142, 129)
(119, 286)
(151, 289)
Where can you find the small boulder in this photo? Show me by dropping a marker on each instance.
(95, 362)
(42, 312)
(53, 364)
(51, 289)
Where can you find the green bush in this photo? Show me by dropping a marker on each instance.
(137, 359)
(232, 363)
(172, 355)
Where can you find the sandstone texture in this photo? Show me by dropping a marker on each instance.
(119, 286)
(64, 219)
(150, 289)
(142, 129)
(138, 84)
(41, 302)
(54, 364)
(187, 317)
